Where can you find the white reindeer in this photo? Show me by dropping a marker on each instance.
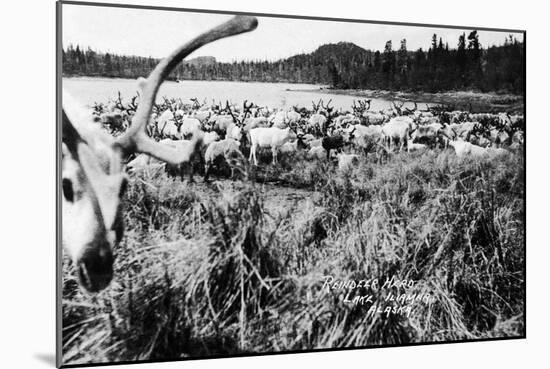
(317, 152)
(317, 122)
(210, 137)
(228, 149)
(293, 117)
(166, 125)
(255, 122)
(189, 126)
(92, 170)
(463, 148)
(279, 119)
(201, 115)
(397, 130)
(271, 137)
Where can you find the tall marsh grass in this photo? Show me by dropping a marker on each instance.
(212, 269)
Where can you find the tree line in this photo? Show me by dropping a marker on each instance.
(344, 66)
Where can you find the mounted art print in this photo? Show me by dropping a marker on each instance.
(244, 184)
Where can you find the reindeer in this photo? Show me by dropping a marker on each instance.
(367, 116)
(193, 146)
(401, 110)
(316, 107)
(200, 111)
(397, 109)
(196, 104)
(320, 119)
(326, 110)
(92, 176)
(168, 126)
(228, 150)
(411, 112)
(362, 108)
(271, 137)
(333, 142)
(234, 129)
(317, 123)
(397, 131)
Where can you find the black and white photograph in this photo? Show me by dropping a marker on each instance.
(238, 184)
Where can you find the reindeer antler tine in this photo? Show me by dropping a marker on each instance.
(135, 139)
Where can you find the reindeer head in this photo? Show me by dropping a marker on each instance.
(92, 185)
(367, 104)
(360, 109)
(351, 133)
(357, 109)
(326, 110)
(247, 110)
(316, 107)
(93, 180)
(397, 107)
(239, 121)
(294, 131)
(196, 104)
(408, 111)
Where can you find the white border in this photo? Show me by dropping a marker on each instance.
(28, 182)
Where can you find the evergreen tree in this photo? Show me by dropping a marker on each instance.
(342, 65)
(403, 64)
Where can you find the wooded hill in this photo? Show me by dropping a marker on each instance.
(343, 65)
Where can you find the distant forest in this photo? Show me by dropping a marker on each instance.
(344, 65)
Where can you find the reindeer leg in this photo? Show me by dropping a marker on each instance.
(206, 172)
(254, 153)
(274, 154)
(190, 166)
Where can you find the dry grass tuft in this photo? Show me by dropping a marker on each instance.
(222, 268)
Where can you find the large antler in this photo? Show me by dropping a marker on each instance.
(354, 107)
(132, 106)
(135, 138)
(316, 106)
(365, 104)
(247, 106)
(412, 110)
(326, 107)
(397, 108)
(230, 111)
(246, 110)
(118, 102)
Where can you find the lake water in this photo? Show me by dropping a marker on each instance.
(280, 95)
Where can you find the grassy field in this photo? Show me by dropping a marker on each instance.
(239, 266)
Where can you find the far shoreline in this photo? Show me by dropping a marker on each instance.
(462, 100)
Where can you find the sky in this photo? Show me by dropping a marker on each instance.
(156, 33)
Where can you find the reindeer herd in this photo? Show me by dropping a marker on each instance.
(230, 132)
(101, 146)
